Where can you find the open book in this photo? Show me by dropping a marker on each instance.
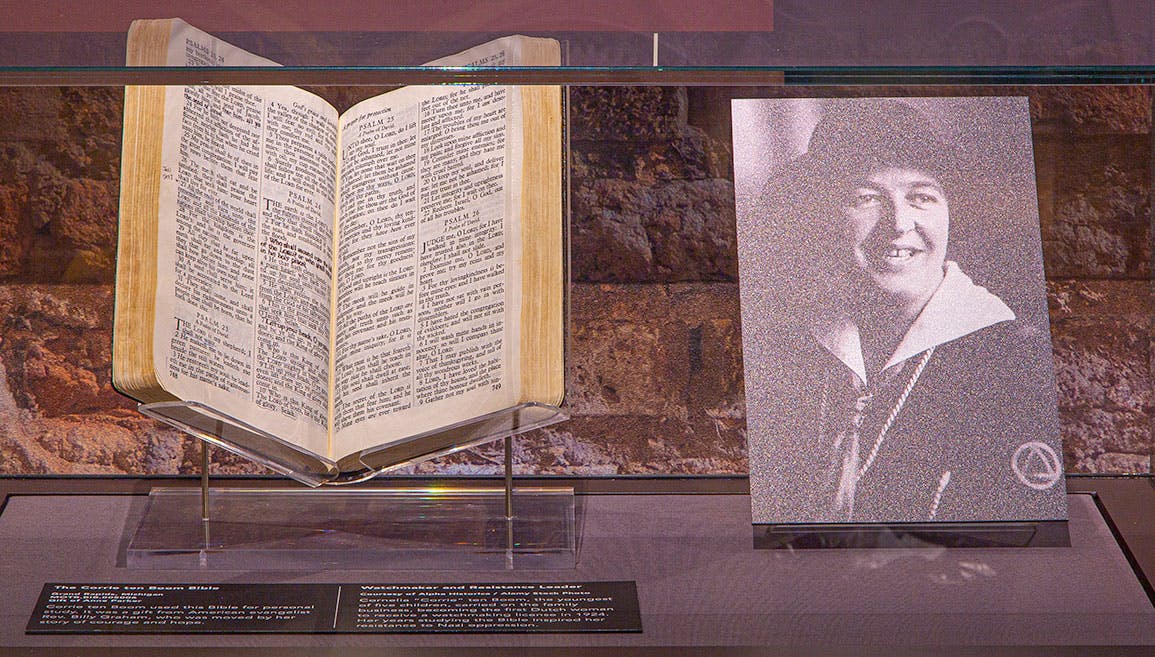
(368, 283)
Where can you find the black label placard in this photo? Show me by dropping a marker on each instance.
(353, 608)
(553, 607)
(183, 608)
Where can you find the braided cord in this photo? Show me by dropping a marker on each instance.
(895, 411)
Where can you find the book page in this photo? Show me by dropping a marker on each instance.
(189, 46)
(427, 302)
(245, 248)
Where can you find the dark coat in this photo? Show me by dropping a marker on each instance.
(981, 399)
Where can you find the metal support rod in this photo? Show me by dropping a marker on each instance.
(509, 503)
(204, 481)
(204, 504)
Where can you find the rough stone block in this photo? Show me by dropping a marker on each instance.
(57, 349)
(58, 411)
(630, 368)
(59, 184)
(74, 130)
(39, 110)
(1101, 332)
(655, 383)
(86, 444)
(76, 223)
(692, 155)
(655, 350)
(12, 237)
(1091, 110)
(1095, 205)
(665, 232)
(627, 113)
(626, 444)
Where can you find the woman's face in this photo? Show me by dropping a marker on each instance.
(896, 223)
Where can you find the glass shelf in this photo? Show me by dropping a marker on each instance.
(698, 76)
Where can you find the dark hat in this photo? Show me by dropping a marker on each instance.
(857, 135)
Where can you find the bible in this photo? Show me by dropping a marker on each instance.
(336, 294)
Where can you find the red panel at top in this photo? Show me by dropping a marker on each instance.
(396, 16)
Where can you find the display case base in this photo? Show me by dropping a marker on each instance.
(395, 529)
(702, 590)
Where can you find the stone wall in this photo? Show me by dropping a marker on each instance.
(655, 382)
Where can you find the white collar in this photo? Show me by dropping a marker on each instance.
(957, 308)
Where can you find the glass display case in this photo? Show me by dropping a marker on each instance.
(655, 444)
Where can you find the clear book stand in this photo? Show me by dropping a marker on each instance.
(441, 528)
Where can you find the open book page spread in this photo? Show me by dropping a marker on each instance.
(339, 283)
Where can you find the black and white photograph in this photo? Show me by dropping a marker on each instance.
(896, 345)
